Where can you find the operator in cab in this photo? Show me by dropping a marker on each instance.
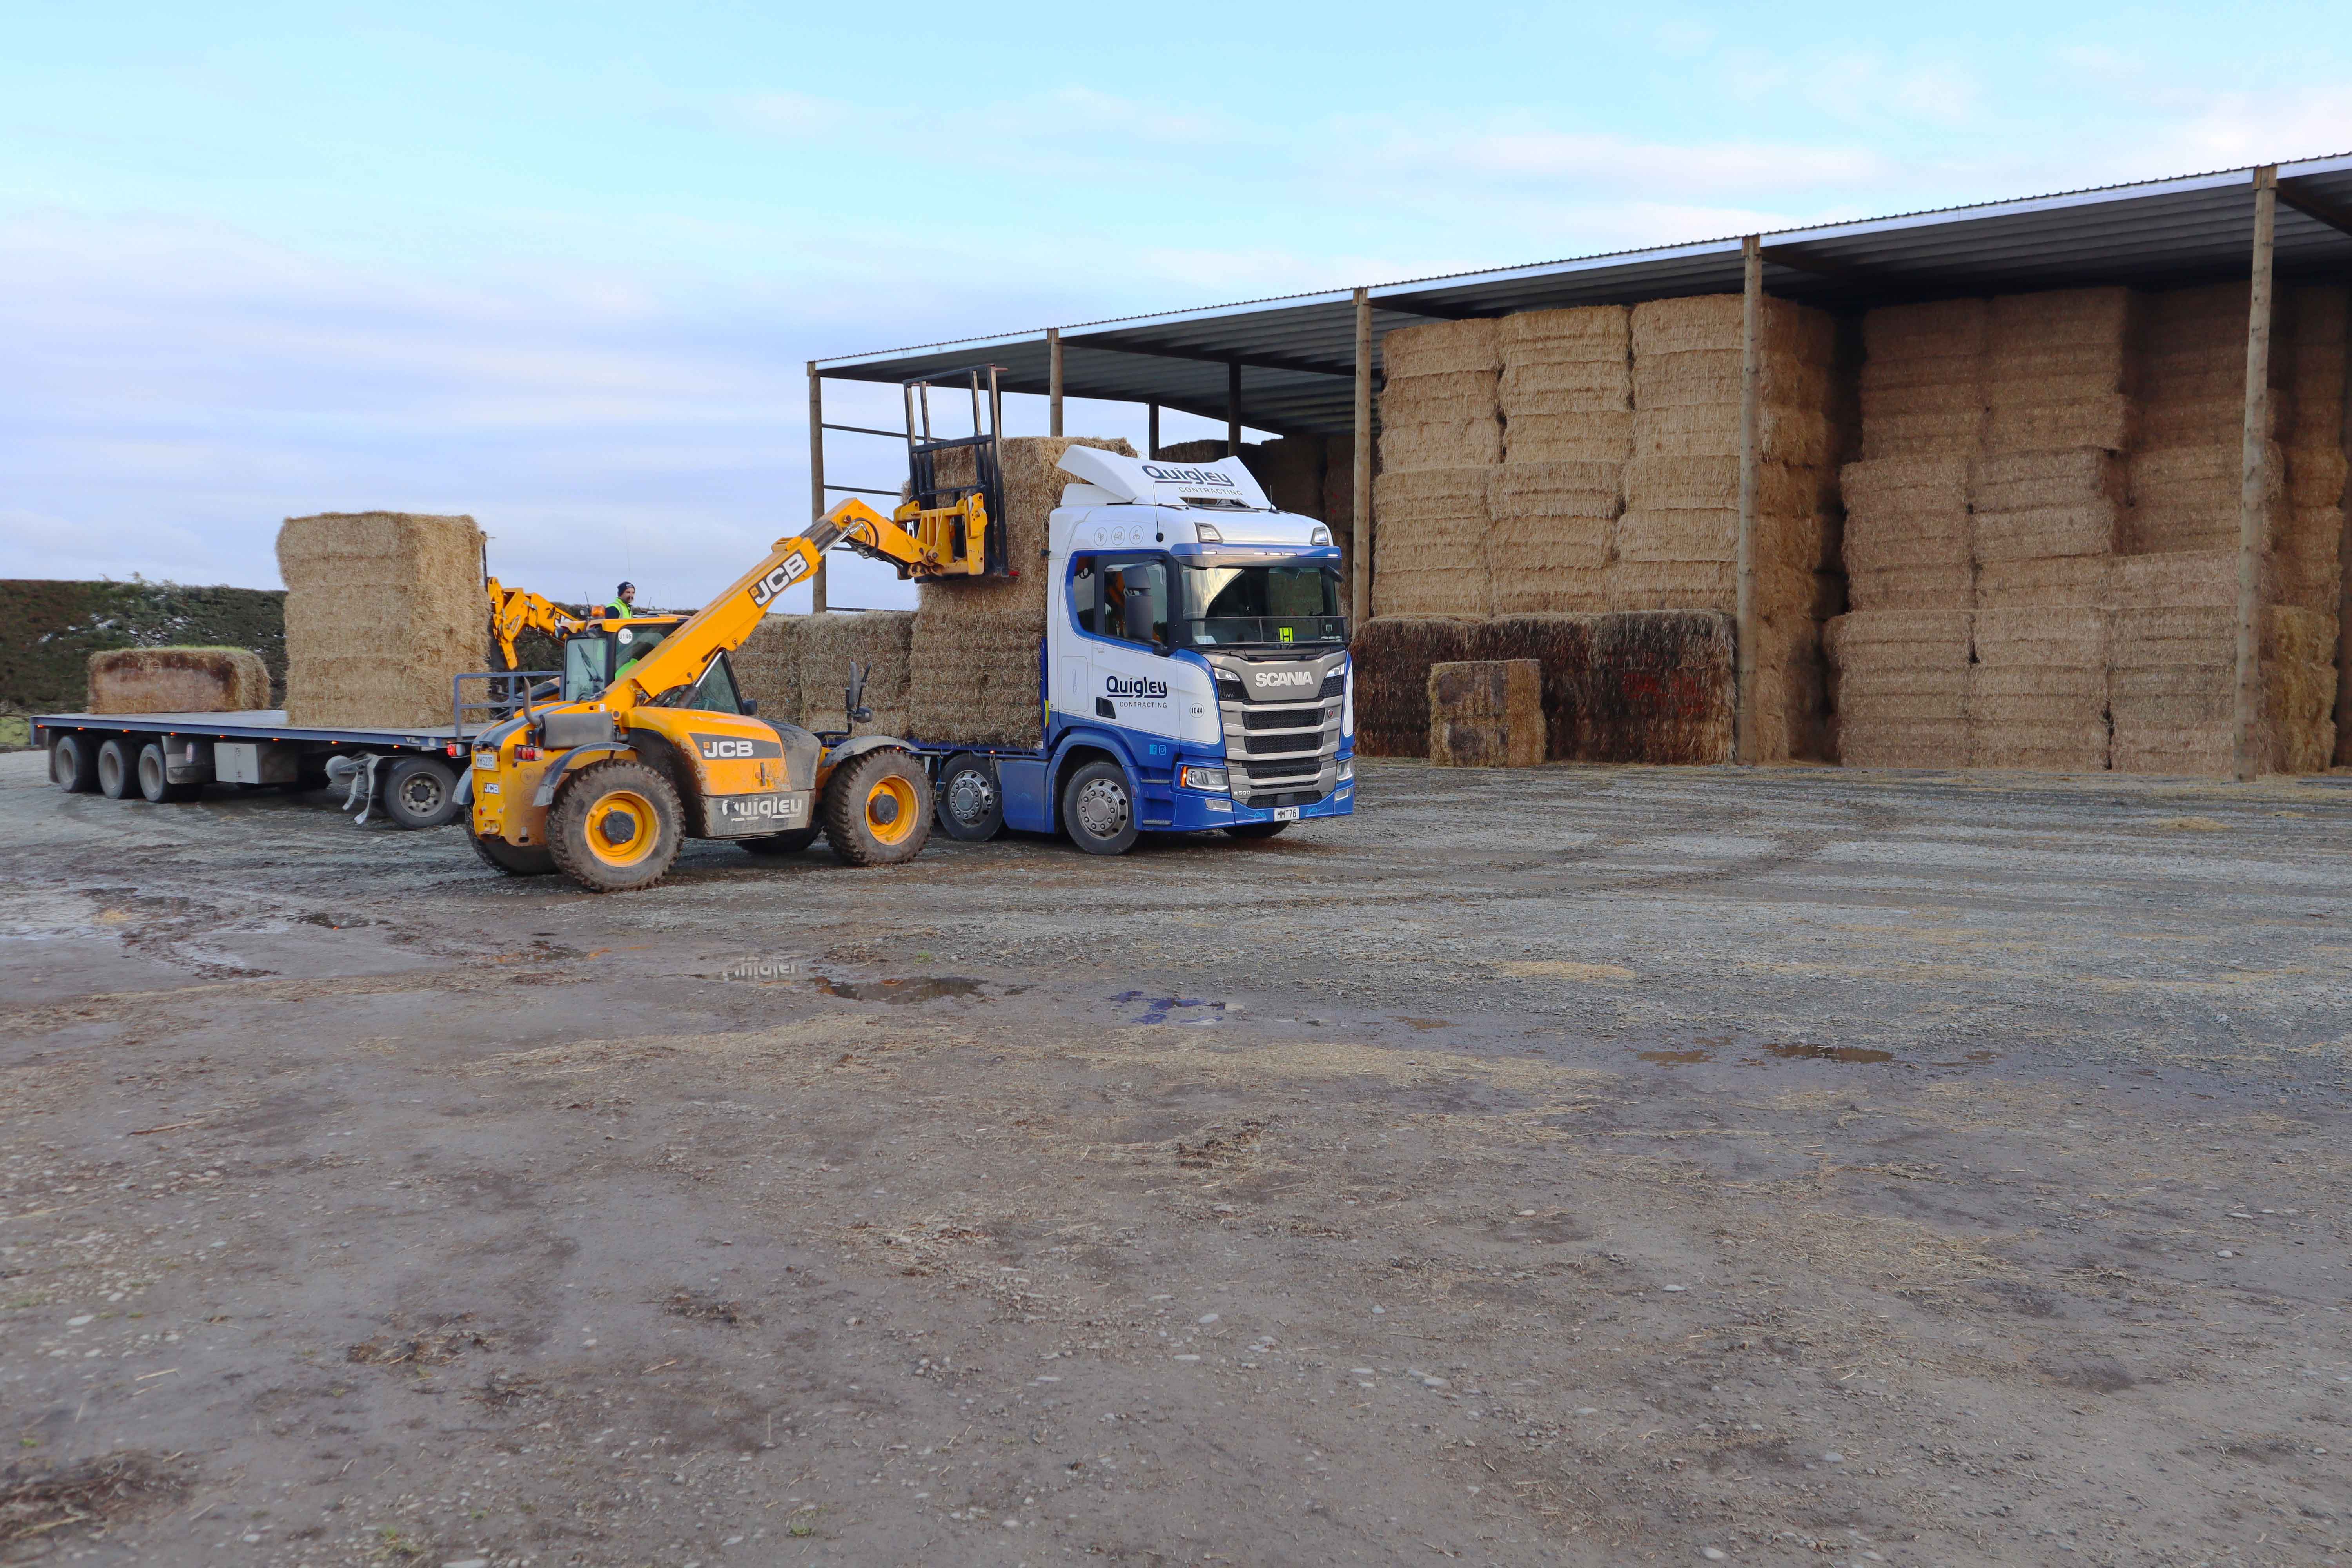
(624, 603)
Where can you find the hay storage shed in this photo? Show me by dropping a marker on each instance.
(2029, 405)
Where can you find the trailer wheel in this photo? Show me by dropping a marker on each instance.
(420, 792)
(1257, 829)
(514, 860)
(118, 773)
(972, 806)
(1098, 809)
(155, 777)
(877, 809)
(73, 765)
(616, 827)
(776, 845)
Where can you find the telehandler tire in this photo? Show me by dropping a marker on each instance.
(615, 826)
(514, 860)
(877, 809)
(776, 845)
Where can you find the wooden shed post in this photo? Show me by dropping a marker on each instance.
(816, 477)
(1152, 432)
(2344, 572)
(1751, 386)
(1053, 381)
(1234, 409)
(2253, 493)
(1359, 524)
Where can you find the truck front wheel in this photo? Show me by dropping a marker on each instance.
(616, 827)
(877, 809)
(1098, 809)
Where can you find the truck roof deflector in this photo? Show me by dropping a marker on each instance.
(1141, 481)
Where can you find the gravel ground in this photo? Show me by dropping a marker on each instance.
(1580, 1165)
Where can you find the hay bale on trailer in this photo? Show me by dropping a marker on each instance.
(383, 610)
(768, 666)
(177, 681)
(974, 651)
(1486, 714)
(880, 643)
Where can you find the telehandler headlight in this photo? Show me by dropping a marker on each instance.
(1210, 778)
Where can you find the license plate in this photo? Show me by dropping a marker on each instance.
(1286, 814)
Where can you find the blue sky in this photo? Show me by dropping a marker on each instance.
(561, 266)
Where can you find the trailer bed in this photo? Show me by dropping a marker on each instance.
(252, 724)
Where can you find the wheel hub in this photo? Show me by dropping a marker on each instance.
(1102, 808)
(970, 797)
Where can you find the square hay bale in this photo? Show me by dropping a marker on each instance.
(1786, 330)
(1290, 470)
(1900, 681)
(2108, 420)
(2201, 577)
(768, 667)
(1561, 647)
(1548, 544)
(2316, 475)
(1785, 432)
(1711, 378)
(1443, 347)
(1207, 450)
(1905, 512)
(1566, 386)
(2099, 320)
(1683, 533)
(1486, 714)
(1924, 379)
(2187, 498)
(1642, 585)
(1556, 489)
(2306, 561)
(974, 652)
(1433, 442)
(1950, 585)
(879, 642)
(383, 610)
(2026, 505)
(2079, 581)
(1689, 480)
(1601, 436)
(192, 679)
(1663, 689)
(1589, 335)
(1936, 328)
(1392, 658)
(1430, 543)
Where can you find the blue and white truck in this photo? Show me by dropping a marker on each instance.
(1195, 674)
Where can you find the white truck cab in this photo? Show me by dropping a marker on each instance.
(1194, 636)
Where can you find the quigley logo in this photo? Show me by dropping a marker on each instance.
(1189, 475)
(1140, 686)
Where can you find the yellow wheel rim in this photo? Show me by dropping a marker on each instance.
(890, 813)
(623, 830)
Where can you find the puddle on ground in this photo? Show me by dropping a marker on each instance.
(926, 988)
(1425, 1023)
(1830, 1053)
(1677, 1058)
(1167, 1009)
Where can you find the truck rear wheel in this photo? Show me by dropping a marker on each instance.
(118, 773)
(514, 860)
(877, 809)
(777, 845)
(972, 806)
(616, 827)
(73, 765)
(155, 777)
(1098, 809)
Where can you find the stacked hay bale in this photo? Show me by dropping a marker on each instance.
(2309, 544)
(880, 643)
(1676, 543)
(177, 681)
(1486, 714)
(1441, 432)
(1901, 686)
(1566, 396)
(383, 610)
(974, 651)
(768, 667)
(1393, 655)
(2172, 664)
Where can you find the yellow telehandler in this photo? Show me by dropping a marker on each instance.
(648, 742)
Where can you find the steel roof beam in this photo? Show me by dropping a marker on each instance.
(2297, 194)
(1211, 356)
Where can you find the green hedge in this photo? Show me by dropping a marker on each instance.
(49, 629)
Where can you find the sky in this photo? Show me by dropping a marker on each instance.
(561, 266)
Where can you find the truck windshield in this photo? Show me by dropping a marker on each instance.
(1268, 601)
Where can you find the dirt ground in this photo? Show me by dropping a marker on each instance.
(1583, 1165)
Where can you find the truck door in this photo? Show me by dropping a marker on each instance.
(1122, 605)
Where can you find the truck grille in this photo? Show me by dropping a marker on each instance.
(1282, 752)
(1287, 718)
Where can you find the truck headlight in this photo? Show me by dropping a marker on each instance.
(1211, 779)
(1347, 770)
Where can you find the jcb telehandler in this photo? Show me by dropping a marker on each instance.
(648, 742)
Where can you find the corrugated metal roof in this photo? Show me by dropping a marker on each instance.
(1297, 351)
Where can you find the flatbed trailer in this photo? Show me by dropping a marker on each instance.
(410, 775)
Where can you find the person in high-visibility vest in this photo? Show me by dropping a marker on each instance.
(624, 603)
